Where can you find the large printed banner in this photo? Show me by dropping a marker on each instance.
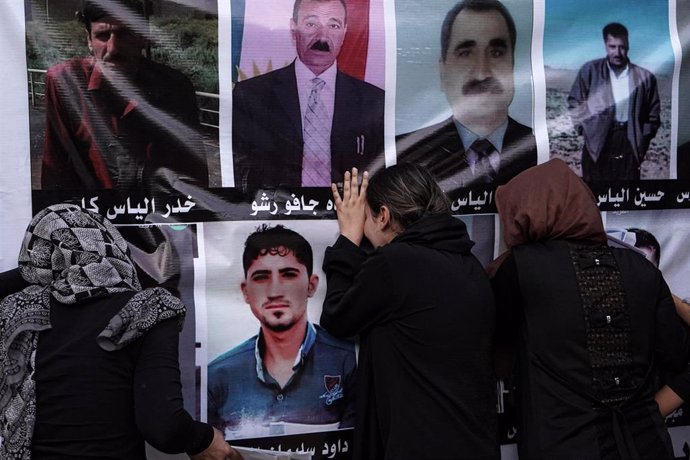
(204, 128)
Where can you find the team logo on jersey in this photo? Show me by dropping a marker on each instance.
(334, 389)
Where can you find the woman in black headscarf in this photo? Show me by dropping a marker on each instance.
(424, 312)
(89, 360)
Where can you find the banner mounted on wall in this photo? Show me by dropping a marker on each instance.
(142, 131)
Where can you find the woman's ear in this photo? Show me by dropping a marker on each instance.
(383, 220)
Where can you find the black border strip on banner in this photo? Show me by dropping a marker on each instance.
(323, 445)
(228, 204)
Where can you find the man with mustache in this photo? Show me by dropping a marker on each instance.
(292, 371)
(614, 104)
(307, 123)
(117, 120)
(480, 145)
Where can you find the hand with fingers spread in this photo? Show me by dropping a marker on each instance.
(350, 207)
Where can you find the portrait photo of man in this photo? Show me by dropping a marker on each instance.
(116, 119)
(615, 106)
(291, 376)
(480, 144)
(305, 124)
(609, 70)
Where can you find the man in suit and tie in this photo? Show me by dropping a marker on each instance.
(480, 145)
(304, 125)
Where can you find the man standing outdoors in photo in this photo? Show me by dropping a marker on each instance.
(480, 144)
(292, 371)
(117, 120)
(614, 104)
(307, 123)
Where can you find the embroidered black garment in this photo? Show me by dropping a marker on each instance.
(607, 321)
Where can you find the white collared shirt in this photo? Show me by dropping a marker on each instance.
(304, 77)
(620, 84)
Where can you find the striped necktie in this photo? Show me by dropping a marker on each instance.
(482, 167)
(316, 159)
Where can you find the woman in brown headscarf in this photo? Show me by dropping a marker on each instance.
(593, 325)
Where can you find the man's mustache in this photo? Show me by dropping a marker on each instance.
(488, 85)
(320, 45)
(114, 58)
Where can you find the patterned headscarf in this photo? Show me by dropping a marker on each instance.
(72, 255)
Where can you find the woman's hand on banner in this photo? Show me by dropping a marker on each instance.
(350, 208)
(219, 449)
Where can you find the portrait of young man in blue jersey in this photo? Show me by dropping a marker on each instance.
(292, 373)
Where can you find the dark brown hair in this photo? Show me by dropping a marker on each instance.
(93, 10)
(280, 241)
(409, 191)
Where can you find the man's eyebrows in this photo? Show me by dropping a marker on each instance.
(289, 270)
(494, 42)
(465, 44)
(282, 271)
(333, 19)
(498, 43)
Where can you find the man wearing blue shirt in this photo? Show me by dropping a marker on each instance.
(292, 371)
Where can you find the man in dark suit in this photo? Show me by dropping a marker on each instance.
(307, 123)
(480, 145)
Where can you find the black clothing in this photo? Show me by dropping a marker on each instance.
(596, 326)
(98, 404)
(617, 159)
(11, 281)
(683, 164)
(424, 311)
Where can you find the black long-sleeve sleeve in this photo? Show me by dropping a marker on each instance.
(355, 299)
(11, 281)
(159, 410)
(99, 404)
